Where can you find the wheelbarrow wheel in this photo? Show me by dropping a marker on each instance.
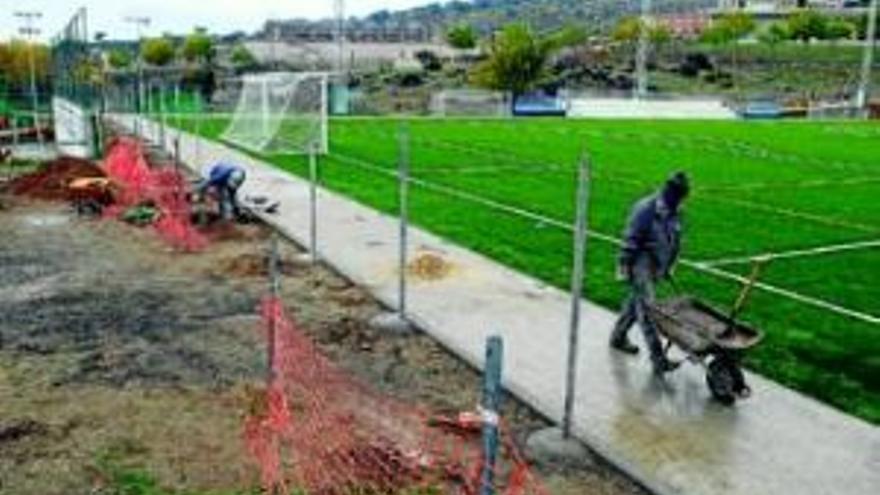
(722, 377)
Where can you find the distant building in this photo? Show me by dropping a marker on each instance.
(686, 26)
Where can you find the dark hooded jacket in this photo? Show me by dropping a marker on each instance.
(653, 234)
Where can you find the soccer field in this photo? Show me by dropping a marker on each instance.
(805, 193)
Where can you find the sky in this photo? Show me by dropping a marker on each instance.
(178, 16)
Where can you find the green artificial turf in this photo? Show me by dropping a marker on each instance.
(759, 187)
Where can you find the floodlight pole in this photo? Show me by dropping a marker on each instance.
(29, 31)
(339, 13)
(577, 284)
(139, 24)
(642, 51)
(863, 97)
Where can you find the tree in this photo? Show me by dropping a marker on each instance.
(157, 51)
(627, 30)
(15, 61)
(462, 37)
(518, 59)
(729, 28)
(119, 59)
(242, 57)
(806, 25)
(429, 60)
(660, 34)
(839, 29)
(198, 46)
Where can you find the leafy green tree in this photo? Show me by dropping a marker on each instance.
(518, 59)
(839, 29)
(198, 47)
(462, 37)
(157, 51)
(627, 30)
(15, 61)
(242, 57)
(806, 25)
(729, 28)
(660, 34)
(119, 59)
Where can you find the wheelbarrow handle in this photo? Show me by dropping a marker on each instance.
(758, 265)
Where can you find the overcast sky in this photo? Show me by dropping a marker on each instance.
(179, 15)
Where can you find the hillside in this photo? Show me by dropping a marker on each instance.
(485, 15)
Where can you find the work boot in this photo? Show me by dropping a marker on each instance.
(663, 366)
(625, 346)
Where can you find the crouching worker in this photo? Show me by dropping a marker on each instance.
(225, 179)
(651, 246)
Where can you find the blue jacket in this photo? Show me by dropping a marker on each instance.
(219, 174)
(652, 236)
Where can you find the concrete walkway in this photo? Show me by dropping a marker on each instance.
(672, 438)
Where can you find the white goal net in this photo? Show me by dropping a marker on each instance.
(281, 113)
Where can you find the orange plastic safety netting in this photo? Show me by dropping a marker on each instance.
(162, 188)
(319, 431)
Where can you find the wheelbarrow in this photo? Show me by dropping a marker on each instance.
(711, 338)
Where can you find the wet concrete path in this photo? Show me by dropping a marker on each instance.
(671, 437)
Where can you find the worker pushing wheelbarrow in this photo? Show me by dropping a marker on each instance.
(649, 253)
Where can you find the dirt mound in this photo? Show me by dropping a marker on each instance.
(429, 266)
(51, 180)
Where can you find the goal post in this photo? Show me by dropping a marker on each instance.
(281, 113)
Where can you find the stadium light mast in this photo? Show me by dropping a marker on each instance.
(30, 32)
(140, 23)
(339, 14)
(862, 99)
(642, 51)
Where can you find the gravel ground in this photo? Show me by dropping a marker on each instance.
(114, 348)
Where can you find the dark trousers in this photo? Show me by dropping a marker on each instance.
(228, 199)
(641, 287)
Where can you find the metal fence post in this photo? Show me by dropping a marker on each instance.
(490, 410)
(577, 281)
(313, 201)
(177, 154)
(161, 109)
(15, 130)
(275, 290)
(198, 139)
(403, 199)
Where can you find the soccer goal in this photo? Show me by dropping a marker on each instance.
(281, 113)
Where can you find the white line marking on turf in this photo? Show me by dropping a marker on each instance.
(514, 210)
(829, 221)
(799, 253)
(812, 301)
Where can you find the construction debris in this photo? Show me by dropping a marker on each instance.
(52, 181)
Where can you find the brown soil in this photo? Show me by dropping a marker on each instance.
(429, 266)
(114, 348)
(51, 180)
(255, 265)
